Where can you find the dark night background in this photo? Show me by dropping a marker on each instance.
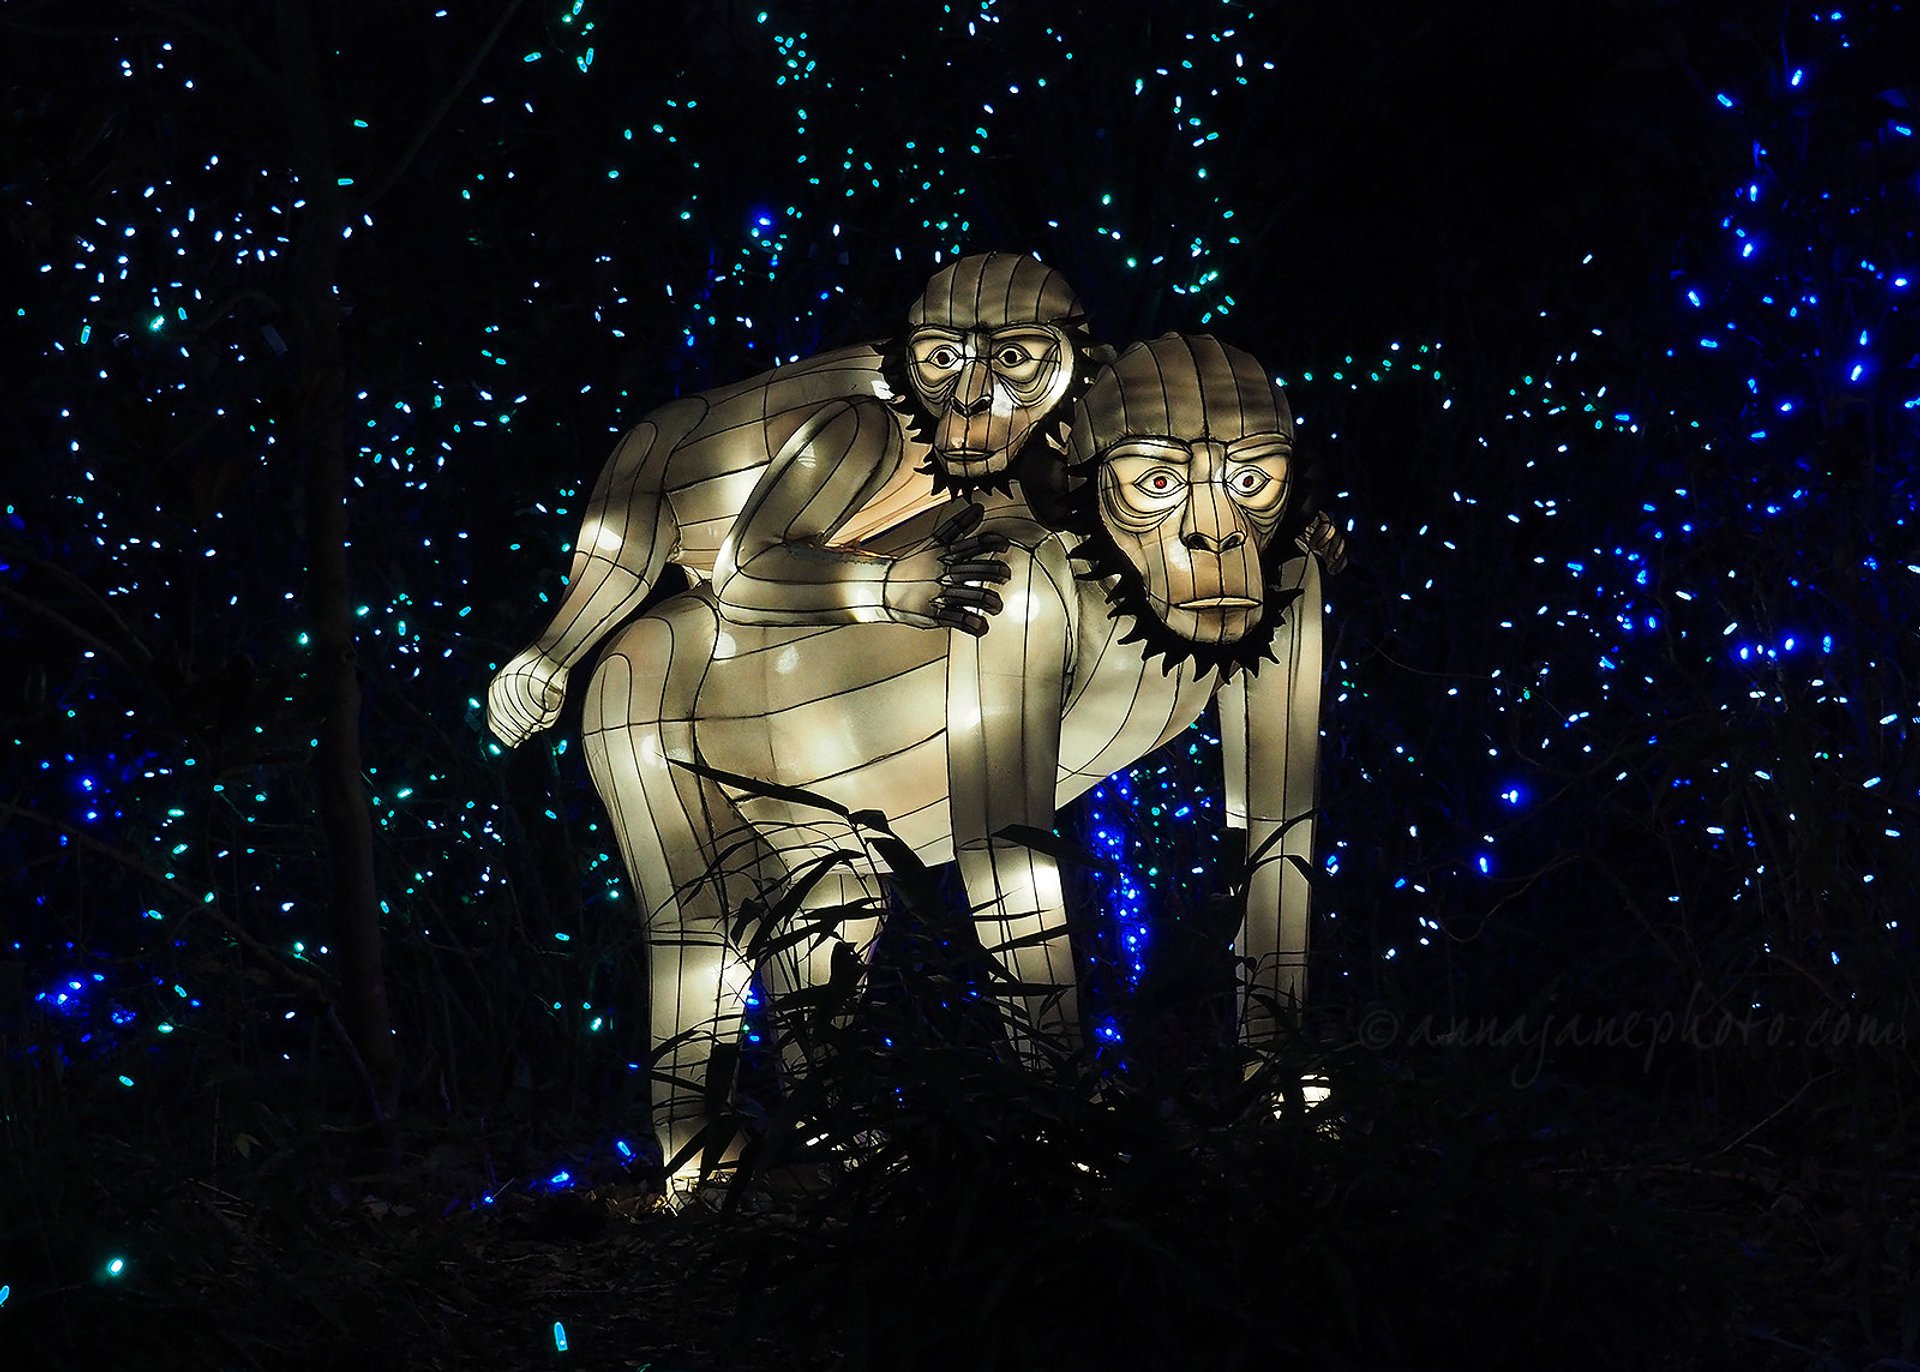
(320, 1020)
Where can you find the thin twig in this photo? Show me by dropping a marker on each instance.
(131, 649)
(264, 1259)
(1786, 1106)
(269, 959)
(249, 60)
(53, 616)
(439, 111)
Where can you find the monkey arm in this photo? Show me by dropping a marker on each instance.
(1270, 736)
(1005, 693)
(1323, 538)
(626, 536)
(777, 565)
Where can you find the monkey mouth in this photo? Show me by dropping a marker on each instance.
(972, 457)
(1219, 602)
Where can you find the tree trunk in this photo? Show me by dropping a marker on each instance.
(319, 422)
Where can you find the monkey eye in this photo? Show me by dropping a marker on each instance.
(944, 356)
(1012, 355)
(1248, 481)
(1160, 481)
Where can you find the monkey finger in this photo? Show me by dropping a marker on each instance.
(1323, 543)
(977, 596)
(967, 621)
(961, 521)
(954, 572)
(978, 544)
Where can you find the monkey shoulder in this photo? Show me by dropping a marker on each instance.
(841, 375)
(774, 402)
(1013, 521)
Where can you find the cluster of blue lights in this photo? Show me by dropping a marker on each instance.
(1699, 580)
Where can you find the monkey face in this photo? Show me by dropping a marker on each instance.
(987, 388)
(1192, 518)
(991, 350)
(1178, 476)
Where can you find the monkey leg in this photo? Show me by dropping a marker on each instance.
(836, 924)
(681, 841)
(1042, 1004)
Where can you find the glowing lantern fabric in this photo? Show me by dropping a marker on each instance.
(1158, 583)
(774, 485)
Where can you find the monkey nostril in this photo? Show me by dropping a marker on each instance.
(967, 409)
(1207, 543)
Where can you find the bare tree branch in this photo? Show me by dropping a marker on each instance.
(272, 961)
(128, 647)
(53, 616)
(250, 61)
(439, 112)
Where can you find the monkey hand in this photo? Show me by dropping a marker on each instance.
(525, 697)
(949, 584)
(1323, 538)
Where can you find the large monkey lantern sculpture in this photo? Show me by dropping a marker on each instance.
(1177, 501)
(771, 486)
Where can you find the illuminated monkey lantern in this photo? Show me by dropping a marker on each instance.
(1178, 500)
(773, 486)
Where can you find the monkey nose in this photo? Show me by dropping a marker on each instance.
(973, 389)
(1201, 542)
